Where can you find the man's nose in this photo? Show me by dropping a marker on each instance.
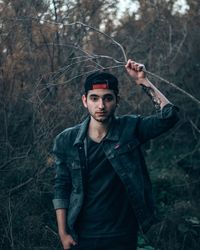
(101, 103)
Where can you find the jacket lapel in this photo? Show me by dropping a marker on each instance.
(82, 132)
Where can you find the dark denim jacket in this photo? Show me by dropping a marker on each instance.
(122, 148)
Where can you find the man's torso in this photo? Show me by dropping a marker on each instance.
(106, 209)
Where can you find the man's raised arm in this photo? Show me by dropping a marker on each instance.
(152, 126)
(135, 70)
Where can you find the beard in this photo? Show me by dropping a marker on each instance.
(104, 118)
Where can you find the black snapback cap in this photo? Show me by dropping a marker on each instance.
(101, 80)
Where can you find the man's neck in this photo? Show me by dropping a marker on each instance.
(98, 130)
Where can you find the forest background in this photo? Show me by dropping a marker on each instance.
(45, 56)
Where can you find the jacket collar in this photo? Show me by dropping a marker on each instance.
(113, 133)
(82, 132)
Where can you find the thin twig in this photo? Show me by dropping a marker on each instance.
(10, 223)
(120, 46)
(97, 30)
(51, 230)
(14, 159)
(25, 183)
(83, 74)
(173, 85)
(82, 24)
(194, 126)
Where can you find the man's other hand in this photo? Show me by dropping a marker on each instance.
(67, 241)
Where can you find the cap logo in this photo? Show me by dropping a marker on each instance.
(100, 86)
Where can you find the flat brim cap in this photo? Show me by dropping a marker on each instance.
(101, 80)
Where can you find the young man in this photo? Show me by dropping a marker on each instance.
(102, 188)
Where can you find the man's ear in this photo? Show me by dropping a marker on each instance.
(117, 99)
(84, 100)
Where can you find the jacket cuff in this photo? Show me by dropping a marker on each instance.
(168, 111)
(60, 203)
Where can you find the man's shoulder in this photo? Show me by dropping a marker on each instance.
(68, 135)
(69, 131)
(127, 123)
(128, 118)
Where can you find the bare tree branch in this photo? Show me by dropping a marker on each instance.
(123, 52)
(173, 85)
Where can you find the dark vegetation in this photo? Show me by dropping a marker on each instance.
(42, 68)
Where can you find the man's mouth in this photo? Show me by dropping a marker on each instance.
(100, 113)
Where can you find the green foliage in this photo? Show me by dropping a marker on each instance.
(142, 245)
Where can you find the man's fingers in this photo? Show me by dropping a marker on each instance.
(68, 242)
(141, 67)
(129, 63)
(134, 65)
(73, 243)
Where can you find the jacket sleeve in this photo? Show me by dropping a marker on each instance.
(152, 126)
(62, 180)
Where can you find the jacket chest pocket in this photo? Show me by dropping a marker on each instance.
(127, 155)
(129, 147)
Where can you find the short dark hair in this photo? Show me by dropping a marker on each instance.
(101, 80)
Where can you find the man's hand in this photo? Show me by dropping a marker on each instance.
(67, 241)
(135, 70)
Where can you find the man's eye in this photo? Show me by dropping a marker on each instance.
(94, 98)
(108, 98)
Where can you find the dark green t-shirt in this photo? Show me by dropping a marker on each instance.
(106, 210)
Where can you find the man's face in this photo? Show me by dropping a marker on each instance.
(101, 104)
